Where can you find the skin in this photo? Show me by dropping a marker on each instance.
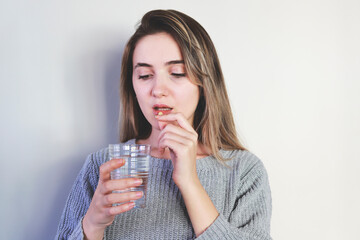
(101, 213)
(159, 77)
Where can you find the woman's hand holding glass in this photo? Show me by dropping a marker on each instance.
(101, 212)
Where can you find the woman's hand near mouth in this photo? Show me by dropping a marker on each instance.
(182, 140)
(179, 136)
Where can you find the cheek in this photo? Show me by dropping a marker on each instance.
(139, 91)
(141, 96)
(192, 98)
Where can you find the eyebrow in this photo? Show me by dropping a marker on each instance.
(167, 63)
(175, 62)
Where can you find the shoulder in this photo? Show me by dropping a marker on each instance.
(97, 158)
(249, 176)
(245, 163)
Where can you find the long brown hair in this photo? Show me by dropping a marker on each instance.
(213, 120)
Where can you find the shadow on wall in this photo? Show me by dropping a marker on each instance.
(112, 95)
(50, 221)
(108, 81)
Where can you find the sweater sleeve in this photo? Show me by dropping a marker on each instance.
(77, 204)
(250, 217)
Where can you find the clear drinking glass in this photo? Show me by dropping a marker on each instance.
(137, 157)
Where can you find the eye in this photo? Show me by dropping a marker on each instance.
(178, 75)
(145, 77)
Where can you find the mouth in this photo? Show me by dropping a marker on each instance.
(161, 109)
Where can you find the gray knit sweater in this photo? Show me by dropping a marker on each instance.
(240, 193)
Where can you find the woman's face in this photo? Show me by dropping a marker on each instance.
(160, 81)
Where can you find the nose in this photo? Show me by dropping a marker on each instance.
(160, 86)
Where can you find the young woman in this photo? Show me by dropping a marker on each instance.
(203, 184)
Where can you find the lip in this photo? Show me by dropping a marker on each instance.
(157, 109)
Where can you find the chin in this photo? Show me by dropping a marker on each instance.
(154, 124)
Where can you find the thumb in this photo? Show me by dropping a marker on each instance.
(162, 125)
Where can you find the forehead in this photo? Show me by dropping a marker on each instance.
(156, 48)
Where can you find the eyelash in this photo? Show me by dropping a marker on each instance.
(144, 77)
(177, 75)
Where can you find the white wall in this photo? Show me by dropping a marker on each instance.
(292, 71)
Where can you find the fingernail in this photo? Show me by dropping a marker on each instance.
(131, 205)
(139, 194)
(120, 161)
(138, 181)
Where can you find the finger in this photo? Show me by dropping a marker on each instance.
(178, 131)
(109, 166)
(161, 150)
(115, 210)
(162, 125)
(179, 117)
(164, 135)
(177, 134)
(120, 184)
(113, 198)
(173, 143)
(186, 141)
